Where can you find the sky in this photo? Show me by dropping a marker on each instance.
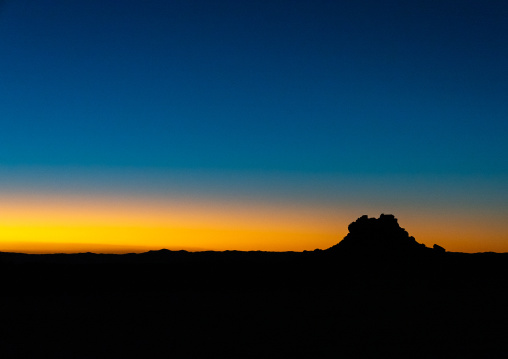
(260, 125)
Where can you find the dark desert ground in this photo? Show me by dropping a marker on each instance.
(377, 293)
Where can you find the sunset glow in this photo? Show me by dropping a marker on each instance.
(201, 125)
(47, 223)
(71, 224)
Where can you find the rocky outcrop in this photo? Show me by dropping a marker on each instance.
(438, 248)
(376, 236)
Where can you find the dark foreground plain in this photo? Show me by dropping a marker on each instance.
(378, 293)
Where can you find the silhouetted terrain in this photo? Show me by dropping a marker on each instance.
(376, 293)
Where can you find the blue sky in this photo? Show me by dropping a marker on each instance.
(299, 86)
(281, 89)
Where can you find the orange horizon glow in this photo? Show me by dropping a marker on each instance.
(73, 223)
(48, 223)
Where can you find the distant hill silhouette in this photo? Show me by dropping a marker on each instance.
(379, 235)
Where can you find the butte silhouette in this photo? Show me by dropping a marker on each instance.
(381, 235)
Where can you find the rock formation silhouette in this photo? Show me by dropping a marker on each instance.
(378, 235)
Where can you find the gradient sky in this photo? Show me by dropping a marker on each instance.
(251, 125)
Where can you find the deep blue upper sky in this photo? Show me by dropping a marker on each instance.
(334, 87)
